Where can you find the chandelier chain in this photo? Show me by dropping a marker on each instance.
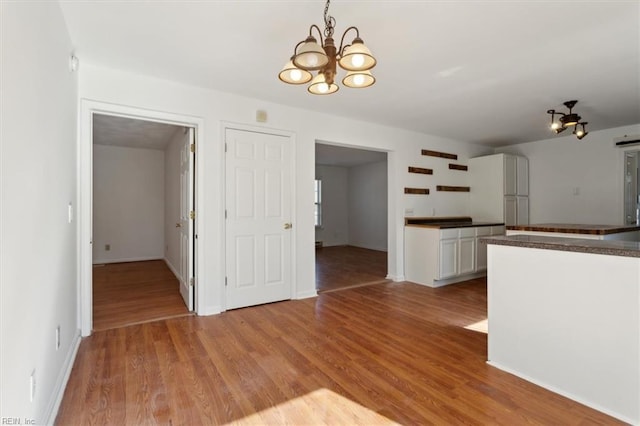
(329, 21)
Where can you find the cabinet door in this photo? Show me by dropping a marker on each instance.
(466, 255)
(510, 211)
(510, 175)
(522, 178)
(522, 210)
(448, 258)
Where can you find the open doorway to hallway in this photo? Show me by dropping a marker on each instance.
(351, 217)
(142, 233)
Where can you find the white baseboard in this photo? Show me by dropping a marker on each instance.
(396, 278)
(306, 294)
(124, 260)
(61, 382)
(173, 269)
(563, 393)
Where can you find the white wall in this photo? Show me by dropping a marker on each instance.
(38, 255)
(335, 202)
(172, 200)
(593, 165)
(368, 206)
(128, 204)
(214, 108)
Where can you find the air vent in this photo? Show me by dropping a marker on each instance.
(627, 140)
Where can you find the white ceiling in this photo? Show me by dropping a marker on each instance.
(478, 71)
(127, 132)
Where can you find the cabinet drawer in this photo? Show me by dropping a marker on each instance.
(446, 234)
(467, 232)
(483, 231)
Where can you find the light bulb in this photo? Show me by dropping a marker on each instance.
(554, 126)
(296, 75)
(312, 60)
(357, 60)
(579, 133)
(323, 87)
(358, 79)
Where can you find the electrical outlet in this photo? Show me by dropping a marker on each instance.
(57, 338)
(32, 386)
(107, 247)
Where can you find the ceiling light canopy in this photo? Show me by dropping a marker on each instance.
(567, 120)
(309, 55)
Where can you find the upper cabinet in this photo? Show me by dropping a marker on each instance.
(500, 189)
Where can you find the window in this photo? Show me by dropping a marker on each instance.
(318, 202)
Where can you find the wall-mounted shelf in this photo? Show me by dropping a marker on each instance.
(439, 154)
(418, 191)
(453, 188)
(420, 170)
(458, 167)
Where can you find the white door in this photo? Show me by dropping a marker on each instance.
(186, 223)
(258, 226)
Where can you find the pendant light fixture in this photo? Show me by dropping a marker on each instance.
(567, 120)
(323, 57)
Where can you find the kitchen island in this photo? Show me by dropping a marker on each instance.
(564, 313)
(573, 230)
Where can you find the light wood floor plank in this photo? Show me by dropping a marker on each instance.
(381, 354)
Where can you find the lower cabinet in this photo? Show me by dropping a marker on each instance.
(436, 257)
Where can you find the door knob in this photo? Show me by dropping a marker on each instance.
(178, 225)
(288, 226)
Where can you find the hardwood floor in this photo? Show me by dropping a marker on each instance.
(384, 353)
(339, 267)
(134, 292)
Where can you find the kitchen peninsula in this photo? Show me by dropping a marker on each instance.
(571, 230)
(445, 250)
(564, 313)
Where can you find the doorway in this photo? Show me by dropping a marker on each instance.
(631, 188)
(89, 110)
(351, 201)
(142, 232)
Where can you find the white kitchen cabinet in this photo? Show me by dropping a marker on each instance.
(510, 175)
(522, 176)
(466, 255)
(436, 257)
(500, 189)
(448, 259)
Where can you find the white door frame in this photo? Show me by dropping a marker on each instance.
(85, 197)
(229, 125)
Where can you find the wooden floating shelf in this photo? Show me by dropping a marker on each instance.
(421, 191)
(439, 154)
(420, 170)
(453, 188)
(458, 167)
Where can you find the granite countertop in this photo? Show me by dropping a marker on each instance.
(611, 248)
(573, 228)
(446, 222)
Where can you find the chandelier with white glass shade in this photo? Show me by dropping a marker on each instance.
(309, 56)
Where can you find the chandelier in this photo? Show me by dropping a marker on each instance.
(567, 120)
(310, 56)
